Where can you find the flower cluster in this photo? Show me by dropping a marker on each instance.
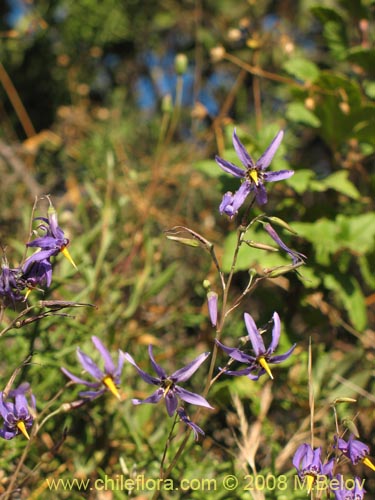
(36, 270)
(310, 468)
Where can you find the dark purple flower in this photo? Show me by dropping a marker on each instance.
(254, 175)
(355, 450)
(37, 270)
(309, 465)
(11, 284)
(17, 416)
(344, 493)
(108, 379)
(263, 356)
(186, 419)
(167, 385)
(296, 256)
(52, 242)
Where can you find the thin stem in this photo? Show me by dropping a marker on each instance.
(17, 104)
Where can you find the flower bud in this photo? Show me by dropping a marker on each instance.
(180, 64)
(212, 306)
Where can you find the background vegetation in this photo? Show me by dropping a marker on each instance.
(94, 112)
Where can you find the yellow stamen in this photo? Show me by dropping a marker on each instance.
(368, 462)
(22, 427)
(310, 482)
(168, 387)
(263, 363)
(28, 292)
(108, 382)
(66, 254)
(253, 174)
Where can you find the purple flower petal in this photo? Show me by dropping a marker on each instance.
(240, 373)
(89, 365)
(282, 357)
(240, 196)
(236, 353)
(145, 376)
(261, 194)
(187, 371)
(280, 175)
(241, 151)
(171, 402)
(191, 397)
(109, 366)
(254, 336)
(91, 394)
(78, 380)
(160, 372)
(154, 398)
(266, 158)
(229, 167)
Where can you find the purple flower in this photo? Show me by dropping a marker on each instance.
(343, 493)
(309, 465)
(37, 270)
(254, 175)
(17, 416)
(184, 417)
(52, 243)
(11, 284)
(167, 385)
(296, 256)
(263, 356)
(355, 450)
(108, 379)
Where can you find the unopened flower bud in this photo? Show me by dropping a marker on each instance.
(212, 306)
(180, 64)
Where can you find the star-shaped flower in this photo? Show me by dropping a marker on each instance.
(108, 379)
(356, 493)
(254, 175)
(309, 465)
(355, 450)
(17, 416)
(263, 357)
(51, 243)
(167, 385)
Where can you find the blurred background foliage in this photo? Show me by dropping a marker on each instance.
(95, 111)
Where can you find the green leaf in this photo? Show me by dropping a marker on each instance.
(335, 36)
(326, 14)
(301, 179)
(348, 291)
(297, 112)
(302, 68)
(339, 182)
(365, 58)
